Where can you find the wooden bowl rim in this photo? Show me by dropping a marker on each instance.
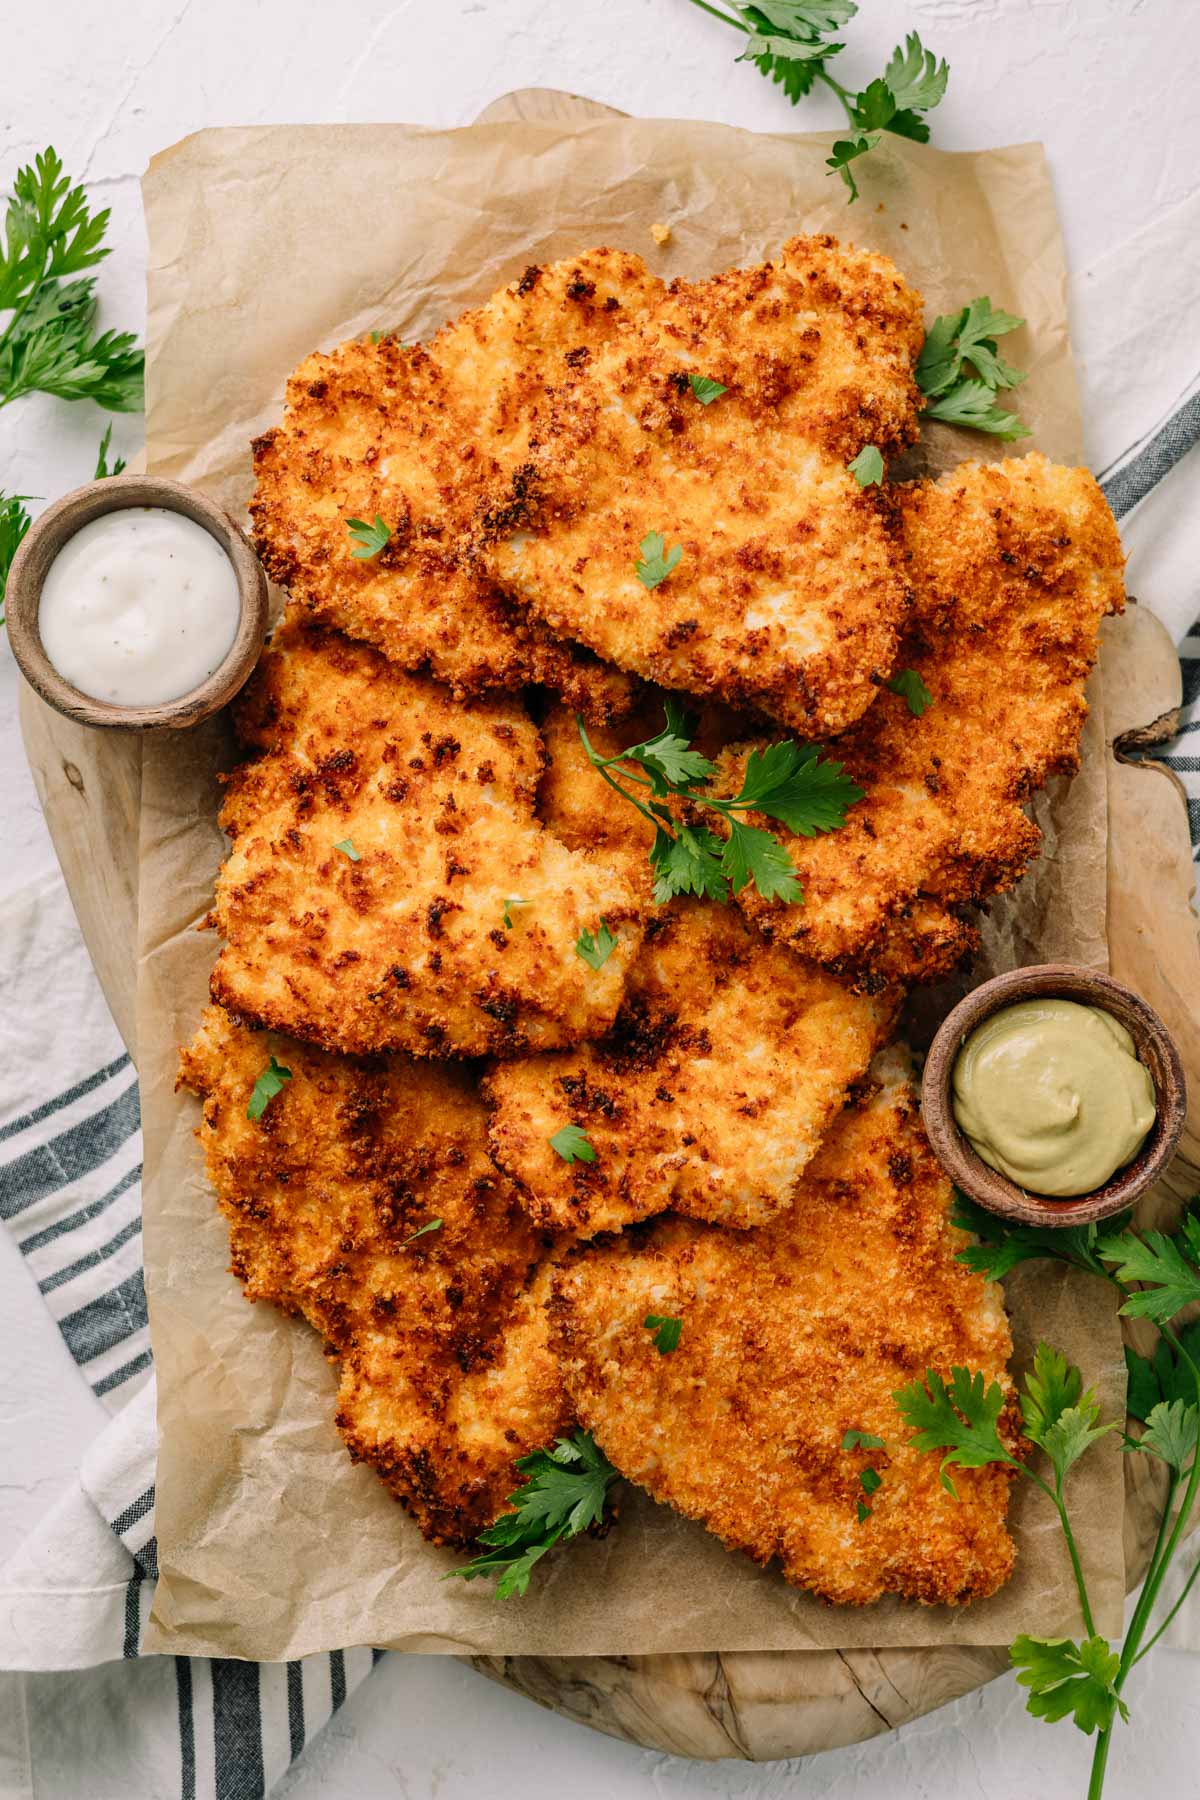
(46, 537)
(1156, 1049)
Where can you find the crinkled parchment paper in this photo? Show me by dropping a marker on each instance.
(265, 244)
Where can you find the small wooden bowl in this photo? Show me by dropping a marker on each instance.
(1155, 1048)
(42, 544)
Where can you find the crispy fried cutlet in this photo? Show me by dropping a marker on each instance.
(448, 926)
(446, 1377)
(416, 434)
(728, 1061)
(789, 591)
(793, 1335)
(1013, 565)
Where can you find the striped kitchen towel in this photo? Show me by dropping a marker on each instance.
(76, 1594)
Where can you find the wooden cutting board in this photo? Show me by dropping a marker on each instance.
(756, 1706)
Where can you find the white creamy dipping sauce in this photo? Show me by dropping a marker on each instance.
(139, 607)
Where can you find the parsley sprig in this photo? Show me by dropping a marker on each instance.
(789, 782)
(792, 42)
(565, 1492)
(269, 1083)
(960, 370)
(1156, 1274)
(48, 344)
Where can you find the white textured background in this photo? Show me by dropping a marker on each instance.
(1110, 86)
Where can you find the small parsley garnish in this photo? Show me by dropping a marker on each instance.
(665, 1331)
(369, 540)
(565, 1492)
(867, 467)
(869, 1479)
(706, 391)
(788, 782)
(912, 690)
(511, 901)
(960, 370)
(656, 562)
(269, 1083)
(571, 1143)
(346, 846)
(596, 951)
(431, 1225)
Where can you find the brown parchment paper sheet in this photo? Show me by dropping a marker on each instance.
(265, 243)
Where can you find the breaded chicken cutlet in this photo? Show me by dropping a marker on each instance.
(1013, 566)
(441, 1336)
(788, 593)
(416, 434)
(793, 1335)
(729, 1059)
(388, 886)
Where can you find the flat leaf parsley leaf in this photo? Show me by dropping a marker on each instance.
(960, 370)
(867, 467)
(959, 1418)
(908, 684)
(665, 1331)
(1002, 1247)
(596, 951)
(706, 389)
(847, 151)
(565, 1492)
(369, 540)
(656, 562)
(1173, 1280)
(571, 1143)
(269, 1083)
(1066, 1677)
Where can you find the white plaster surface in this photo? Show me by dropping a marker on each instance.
(1109, 86)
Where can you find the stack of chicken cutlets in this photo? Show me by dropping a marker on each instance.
(441, 924)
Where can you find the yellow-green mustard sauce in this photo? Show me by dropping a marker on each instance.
(1052, 1095)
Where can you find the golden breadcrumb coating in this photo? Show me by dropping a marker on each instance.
(728, 1062)
(789, 591)
(416, 434)
(402, 945)
(446, 1375)
(1013, 565)
(792, 1335)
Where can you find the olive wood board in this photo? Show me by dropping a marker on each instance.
(757, 1706)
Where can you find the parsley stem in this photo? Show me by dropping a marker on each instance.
(1160, 1560)
(725, 18)
(1055, 1496)
(843, 94)
(1184, 1592)
(602, 767)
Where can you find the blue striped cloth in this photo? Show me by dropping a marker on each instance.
(69, 1193)
(77, 1595)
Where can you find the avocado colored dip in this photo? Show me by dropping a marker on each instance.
(1052, 1095)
